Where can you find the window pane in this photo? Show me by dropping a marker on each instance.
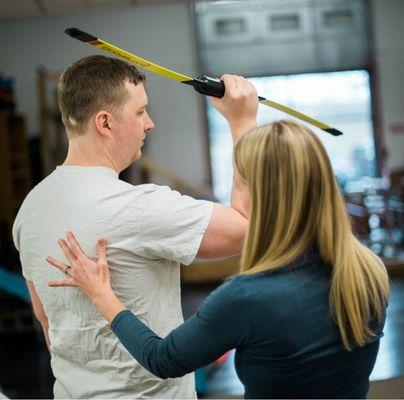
(340, 99)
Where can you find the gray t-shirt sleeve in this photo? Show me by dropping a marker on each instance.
(26, 269)
(25, 265)
(172, 225)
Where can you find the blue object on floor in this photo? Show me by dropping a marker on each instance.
(201, 382)
(14, 284)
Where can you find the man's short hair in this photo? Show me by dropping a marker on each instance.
(92, 84)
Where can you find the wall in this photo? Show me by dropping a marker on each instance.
(1, 48)
(389, 50)
(163, 34)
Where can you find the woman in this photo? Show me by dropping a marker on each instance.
(306, 312)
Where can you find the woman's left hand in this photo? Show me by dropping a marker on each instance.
(91, 277)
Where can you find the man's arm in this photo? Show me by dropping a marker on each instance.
(39, 311)
(227, 227)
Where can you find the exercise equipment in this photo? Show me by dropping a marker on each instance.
(203, 84)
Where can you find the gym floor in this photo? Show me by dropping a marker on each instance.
(25, 370)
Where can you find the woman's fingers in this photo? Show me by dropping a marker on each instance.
(59, 265)
(102, 251)
(67, 252)
(74, 245)
(67, 282)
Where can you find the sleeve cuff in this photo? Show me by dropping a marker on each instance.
(122, 315)
(193, 250)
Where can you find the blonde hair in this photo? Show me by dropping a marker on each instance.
(295, 203)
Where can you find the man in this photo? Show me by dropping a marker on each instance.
(150, 229)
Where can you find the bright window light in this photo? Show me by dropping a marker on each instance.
(339, 99)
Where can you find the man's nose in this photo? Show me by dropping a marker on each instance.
(149, 125)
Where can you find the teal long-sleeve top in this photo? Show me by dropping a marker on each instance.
(287, 344)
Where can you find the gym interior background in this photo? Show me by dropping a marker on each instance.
(341, 61)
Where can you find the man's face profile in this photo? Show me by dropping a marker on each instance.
(133, 122)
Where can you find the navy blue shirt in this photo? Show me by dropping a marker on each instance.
(287, 344)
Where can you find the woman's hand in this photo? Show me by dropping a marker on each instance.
(91, 277)
(239, 105)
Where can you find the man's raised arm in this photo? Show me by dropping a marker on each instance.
(225, 233)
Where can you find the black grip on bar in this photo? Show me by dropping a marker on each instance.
(333, 131)
(80, 35)
(208, 86)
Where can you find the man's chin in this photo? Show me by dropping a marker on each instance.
(137, 156)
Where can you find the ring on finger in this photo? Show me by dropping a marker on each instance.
(66, 269)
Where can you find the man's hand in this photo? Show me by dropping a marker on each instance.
(239, 105)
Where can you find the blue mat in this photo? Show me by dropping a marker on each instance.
(14, 284)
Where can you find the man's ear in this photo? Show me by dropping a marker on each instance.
(104, 122)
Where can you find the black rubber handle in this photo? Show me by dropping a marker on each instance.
(208, 86)
(80, 35)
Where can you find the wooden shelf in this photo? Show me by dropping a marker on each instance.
(15, 171)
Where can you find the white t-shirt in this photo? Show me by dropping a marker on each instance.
(150, 230)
